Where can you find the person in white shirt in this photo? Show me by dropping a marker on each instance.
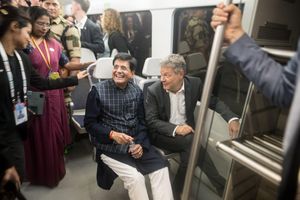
(169, 106)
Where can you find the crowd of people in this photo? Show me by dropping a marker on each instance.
(40, 52)
(19, 74)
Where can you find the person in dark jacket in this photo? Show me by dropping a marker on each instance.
(170, 105)
(137, 41)
(111, 24)
(90, 34)
(16, 75)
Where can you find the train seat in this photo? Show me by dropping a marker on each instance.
(103, 69)
(196, 63)
(87, 55)
(90, 71)
(183, 47)
(79, 95)
(151, 68)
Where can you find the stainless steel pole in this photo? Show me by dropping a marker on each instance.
(207, 89)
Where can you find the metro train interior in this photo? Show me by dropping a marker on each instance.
(251, 163)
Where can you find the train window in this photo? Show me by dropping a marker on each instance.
(193, 37)
(193, 33)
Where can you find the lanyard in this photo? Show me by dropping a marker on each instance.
(48, 60)
(10, 75)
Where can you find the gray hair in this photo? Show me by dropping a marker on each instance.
(175, 61)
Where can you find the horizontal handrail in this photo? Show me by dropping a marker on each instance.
(259, 157)
(276, 141)
(263, 150)
(269, 145)
(251, 164)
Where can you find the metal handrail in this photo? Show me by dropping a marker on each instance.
(207, 90)
(258, 156)
(273, 140)
(269, 145)
(264, 150)
(251, 164)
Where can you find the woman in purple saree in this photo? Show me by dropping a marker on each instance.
(48, 133)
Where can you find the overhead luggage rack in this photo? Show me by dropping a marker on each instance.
(263, 155)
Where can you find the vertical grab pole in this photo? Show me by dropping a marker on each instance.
(207, 89)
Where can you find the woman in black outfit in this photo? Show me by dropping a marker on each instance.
(16, 75)
(111, 24)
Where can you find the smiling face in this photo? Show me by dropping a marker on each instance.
(122, 73)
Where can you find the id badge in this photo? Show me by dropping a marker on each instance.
(54, 75)
(20, 113)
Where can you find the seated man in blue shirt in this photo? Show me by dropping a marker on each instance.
(115, 120)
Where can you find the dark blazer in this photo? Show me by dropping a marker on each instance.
(91, 37)
(117, 40)
(282, 86)
(157, 106)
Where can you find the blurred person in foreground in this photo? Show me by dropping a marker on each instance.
(279, 83)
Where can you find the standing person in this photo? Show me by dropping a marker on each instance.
(170, 105)
(16, 75)
(48, 133)
(68, 36)
(90, 34)
(280, 83)
(112, 26)
(61, 30)
(137, 41)
(115, 118)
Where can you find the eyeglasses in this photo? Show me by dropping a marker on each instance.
(43, 25)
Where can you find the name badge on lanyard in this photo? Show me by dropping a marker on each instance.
(20, 110)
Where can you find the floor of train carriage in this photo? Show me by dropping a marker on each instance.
(80, 182)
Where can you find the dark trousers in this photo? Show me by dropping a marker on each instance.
(15, 149)
(182, 145)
